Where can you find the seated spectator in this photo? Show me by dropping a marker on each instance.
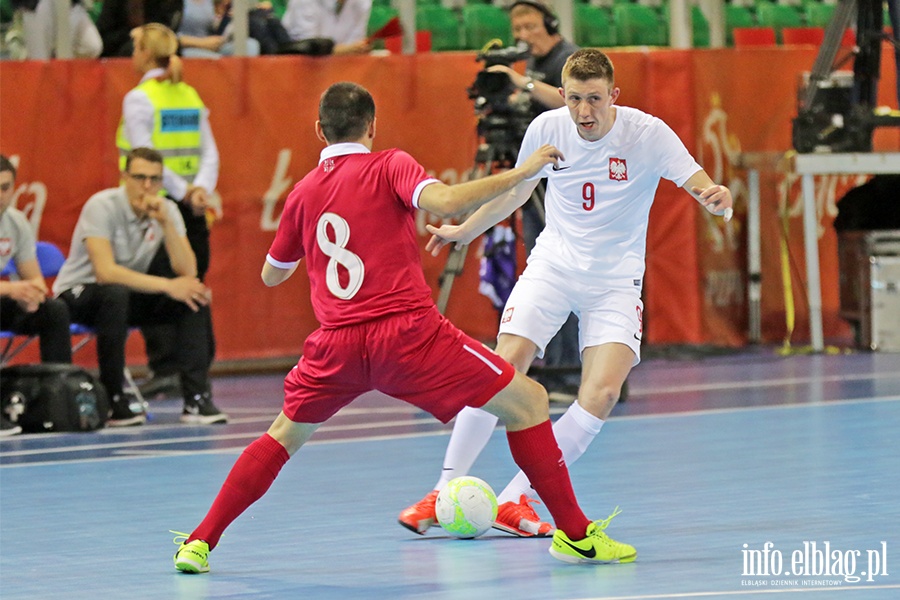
(39, 26)
(105, 283)
(25, 305)
(343, 21)
(200, 35)
(119, 17)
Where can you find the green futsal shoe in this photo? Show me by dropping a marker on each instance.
(595, 548)
(192, 556)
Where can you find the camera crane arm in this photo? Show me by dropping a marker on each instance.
(817, 125)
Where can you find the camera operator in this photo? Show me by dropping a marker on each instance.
(536, 25)
(533, 23)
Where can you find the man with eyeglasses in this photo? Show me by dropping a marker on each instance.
(105, 283)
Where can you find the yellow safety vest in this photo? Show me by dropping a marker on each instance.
(178, 111)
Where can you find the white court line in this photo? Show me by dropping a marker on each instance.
(205, 438)
(798, 590)
(715, 411)
(137, 454)
(755, 383)
(374, 425)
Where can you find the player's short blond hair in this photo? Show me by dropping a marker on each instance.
(588, 63)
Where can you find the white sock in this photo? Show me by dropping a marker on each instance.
(471, 432)
(574, 432)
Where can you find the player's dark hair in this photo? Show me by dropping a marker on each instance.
(148, 154)
(345, 112)
(6, 165)
(589, 63)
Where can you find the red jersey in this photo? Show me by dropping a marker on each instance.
(353, 219)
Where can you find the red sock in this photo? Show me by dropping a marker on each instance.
(536, 452)
(250, 477)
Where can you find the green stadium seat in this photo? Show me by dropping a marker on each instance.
(818, 14)
(777, 16)
(278, 7)
(700, 37)
(445, 27)
(483, 23)
(95, 10)
(736, 16)
(639, 25)
(593, 27)
(700, 28)
(6, 11)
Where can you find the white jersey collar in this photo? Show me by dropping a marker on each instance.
(342, 149)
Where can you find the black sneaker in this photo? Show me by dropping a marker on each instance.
(124, 412)
(200, 410)
(7, 427)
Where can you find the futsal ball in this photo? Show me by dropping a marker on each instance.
(466, 507)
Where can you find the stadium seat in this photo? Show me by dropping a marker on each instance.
(803, 35)
(278, 7)
(6, 11)
(483, 23)
(818, 14)
(700, 37)
(777, 16)
(639, 25)
(753, 36)
(736, 16)
(699, 28)
(593, 27)
(445, 28)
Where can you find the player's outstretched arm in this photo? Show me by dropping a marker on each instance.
(272, 275)
(452, 200)
(714, 197)
(489, 214)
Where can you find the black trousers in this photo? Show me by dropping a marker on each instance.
(50, 322)
(111, 309)
(159, 339)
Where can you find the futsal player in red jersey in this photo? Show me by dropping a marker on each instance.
(353, 219)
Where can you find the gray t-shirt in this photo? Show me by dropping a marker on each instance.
(108, 214)
(16, 238)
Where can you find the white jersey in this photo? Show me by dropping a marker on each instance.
(598, 201)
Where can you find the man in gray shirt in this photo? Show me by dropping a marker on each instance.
(25, 305)
(105, 283)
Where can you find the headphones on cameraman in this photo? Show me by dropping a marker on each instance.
(551, 23)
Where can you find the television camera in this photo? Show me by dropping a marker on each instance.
(502, 121)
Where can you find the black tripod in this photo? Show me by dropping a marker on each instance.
(499, 151)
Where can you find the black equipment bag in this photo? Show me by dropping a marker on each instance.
(52, 397)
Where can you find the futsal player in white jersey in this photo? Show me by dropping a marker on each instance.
(589, 260)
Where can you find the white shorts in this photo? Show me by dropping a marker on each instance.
(543, 297)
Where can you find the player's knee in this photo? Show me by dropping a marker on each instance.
(528, 407)
(599, 399)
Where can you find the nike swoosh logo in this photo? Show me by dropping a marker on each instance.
(556, 168)
(585, 553)
(636, 337)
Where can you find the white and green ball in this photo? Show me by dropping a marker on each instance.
(466, 507)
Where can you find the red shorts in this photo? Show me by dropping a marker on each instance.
(418, 357)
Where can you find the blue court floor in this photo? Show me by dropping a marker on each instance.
(749, 475)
